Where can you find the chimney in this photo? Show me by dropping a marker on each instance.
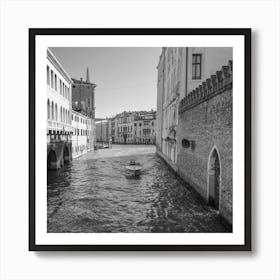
(81, 79)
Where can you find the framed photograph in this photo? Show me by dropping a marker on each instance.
(140, 139)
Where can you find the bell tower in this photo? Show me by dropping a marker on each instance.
(87, 79)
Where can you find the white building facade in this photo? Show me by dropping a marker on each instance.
(58, 96)
(81, 134)
(59, 125)
(174, 88)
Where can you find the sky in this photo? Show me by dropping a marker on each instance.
(126, 78)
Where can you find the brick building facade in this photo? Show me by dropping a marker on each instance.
(83, 96)
(194, 120)
(205, 140)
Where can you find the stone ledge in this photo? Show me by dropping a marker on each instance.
(171, 164)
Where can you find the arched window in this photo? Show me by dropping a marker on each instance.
(52, 111)
(49, 113)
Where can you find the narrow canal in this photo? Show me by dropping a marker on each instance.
(94, 194)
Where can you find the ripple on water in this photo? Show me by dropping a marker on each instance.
(95, 194)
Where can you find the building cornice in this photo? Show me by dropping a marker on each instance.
(51, 57)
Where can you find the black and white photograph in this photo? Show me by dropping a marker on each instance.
(139, 142)
(118, 138)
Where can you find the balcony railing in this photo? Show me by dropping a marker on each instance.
(59, 125)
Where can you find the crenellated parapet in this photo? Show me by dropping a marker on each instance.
(213, 86)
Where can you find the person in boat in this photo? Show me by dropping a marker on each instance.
(132, 162)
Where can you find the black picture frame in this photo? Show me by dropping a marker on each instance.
(246, 32)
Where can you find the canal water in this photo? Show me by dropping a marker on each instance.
(94, 194)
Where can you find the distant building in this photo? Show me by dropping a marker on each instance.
(113, 129)
(102, 131)
(83, 96)
(91, 134)
(144, 128)
(125, 127)
(59, 126)
(136, 127)
(83, 134)
(83, 121)
(79, 137)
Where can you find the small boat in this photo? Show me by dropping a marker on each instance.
(134, 168)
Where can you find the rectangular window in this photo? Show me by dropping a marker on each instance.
(60, 86)
(196, 66)
(48, 75)
(52, 78)
(55, 82)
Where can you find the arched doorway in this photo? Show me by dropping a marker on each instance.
(52, 160)
(214, 181)
(66, 155)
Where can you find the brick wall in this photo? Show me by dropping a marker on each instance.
(205, 121)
